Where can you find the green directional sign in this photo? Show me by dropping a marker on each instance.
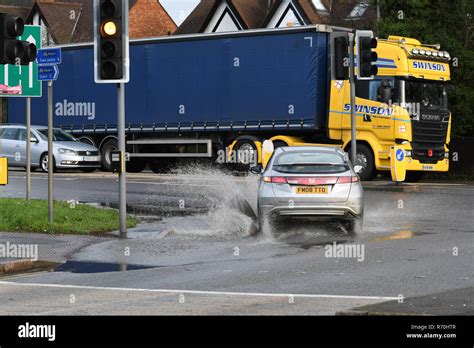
(22, 80)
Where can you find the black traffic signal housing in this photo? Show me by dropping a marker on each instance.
(340, 56)
(12, 50)
(111, 41)
(366, 56)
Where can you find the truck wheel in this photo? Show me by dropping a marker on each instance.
(44, 163)
(136, 165)
(365, 158)
(106, 152)
(246, 154)
(161, 165)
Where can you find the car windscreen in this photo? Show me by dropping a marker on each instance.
(310, 163)
(58, 135)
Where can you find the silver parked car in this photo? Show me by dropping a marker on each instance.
(68, 152)
(313, 183)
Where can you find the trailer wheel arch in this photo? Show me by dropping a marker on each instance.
(106, 139)
(88, 140)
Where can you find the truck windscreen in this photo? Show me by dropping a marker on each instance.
(430, 95)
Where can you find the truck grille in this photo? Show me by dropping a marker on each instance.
(429, 138)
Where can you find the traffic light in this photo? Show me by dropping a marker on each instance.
(111, 41)
(366, 57)
(12, 50)
(340, 56)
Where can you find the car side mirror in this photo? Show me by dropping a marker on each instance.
(34, 140)
(256, 169)
(358, 169)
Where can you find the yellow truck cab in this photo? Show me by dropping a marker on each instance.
(406, 104)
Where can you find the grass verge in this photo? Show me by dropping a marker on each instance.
(20, 215)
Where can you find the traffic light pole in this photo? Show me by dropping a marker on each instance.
(122, 172)
(50, 152)
(28, 148)
(353, 153)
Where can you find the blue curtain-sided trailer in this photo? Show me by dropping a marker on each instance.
(211, 87)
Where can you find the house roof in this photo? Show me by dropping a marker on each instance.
(20, 11)
(258, 13)
(60, 17)
(148, 18)
(250, 14)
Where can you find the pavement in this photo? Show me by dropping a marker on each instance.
(415, 244)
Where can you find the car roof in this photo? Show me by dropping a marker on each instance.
(10, 125)
(326, 149)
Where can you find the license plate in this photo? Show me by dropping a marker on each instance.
(91, 159)
(312, 190)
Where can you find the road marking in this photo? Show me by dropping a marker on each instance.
(199, 292)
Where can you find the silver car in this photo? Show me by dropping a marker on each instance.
(68, 152)
(313, 183)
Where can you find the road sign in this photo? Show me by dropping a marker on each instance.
(48, 73)
(49, 56)
(398, 163)
(400, 155)
(22, 80)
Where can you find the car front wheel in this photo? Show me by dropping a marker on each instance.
(44, 163)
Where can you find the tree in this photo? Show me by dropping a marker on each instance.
(449, 23)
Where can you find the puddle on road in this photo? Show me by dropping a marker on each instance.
(95, 267)
(404, 234)
(232, 205)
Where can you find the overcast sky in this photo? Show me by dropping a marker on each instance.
(179, 9)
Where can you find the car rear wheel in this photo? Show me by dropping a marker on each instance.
(355, 225)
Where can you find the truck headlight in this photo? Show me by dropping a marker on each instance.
(408, 153)
(67, 152)
(446, 155)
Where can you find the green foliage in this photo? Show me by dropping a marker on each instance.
(32, 216)
(449, 23)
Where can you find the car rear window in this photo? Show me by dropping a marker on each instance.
(310, 163)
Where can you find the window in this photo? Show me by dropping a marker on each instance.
(372, 89)
(22, 135)
(310, 163)
(9, 134)
(58, 135)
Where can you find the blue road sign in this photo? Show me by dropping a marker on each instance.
(48, 73)
(400, 155)
(49, 56)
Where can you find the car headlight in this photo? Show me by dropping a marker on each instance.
(67, 152)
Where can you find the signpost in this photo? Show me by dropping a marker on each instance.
(112, 65)
(49, 71)
(21, 81)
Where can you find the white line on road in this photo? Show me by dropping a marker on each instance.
(199, 292)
